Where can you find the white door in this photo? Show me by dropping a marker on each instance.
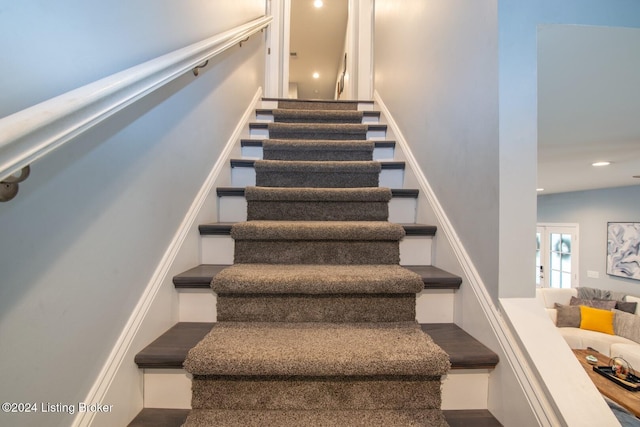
(557, 255)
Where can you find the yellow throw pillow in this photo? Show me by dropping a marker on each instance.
(595, 319)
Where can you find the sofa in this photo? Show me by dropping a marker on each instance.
(605, 321)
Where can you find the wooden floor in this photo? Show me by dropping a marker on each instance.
(175, 418)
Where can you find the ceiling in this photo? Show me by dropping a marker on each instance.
(318, 39)
(588, 107)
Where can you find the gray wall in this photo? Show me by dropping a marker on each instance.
(436, 70)
(591, 210)
(82, 239)
(518, 28)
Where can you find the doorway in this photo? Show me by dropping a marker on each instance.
(557, 255)
(350, 76)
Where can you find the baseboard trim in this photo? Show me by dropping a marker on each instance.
(114, 364)
(533, 391)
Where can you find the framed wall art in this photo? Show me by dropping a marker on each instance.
(623, 249)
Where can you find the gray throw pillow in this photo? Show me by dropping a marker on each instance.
(568, 316)
(603, 304)
(626, 325)
(629, 307)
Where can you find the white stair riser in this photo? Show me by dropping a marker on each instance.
(465, 389)
(171, 389)
(245, 176)
(270, 105)
(167, 388)
(435, 306)
(199, 305)
(268, 118)
(414, 250)
(379, 153)
(264, 134)
(234, 209)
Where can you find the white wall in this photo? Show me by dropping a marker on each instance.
(82, 239)
(592, 210)
(436, 70)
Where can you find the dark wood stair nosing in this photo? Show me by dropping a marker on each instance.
(367, 113)
(224, 229)
(200, 277)
(249, 163)
(258, 143)
(408, 193)
(370, 126)
(160, 417)
(170, 349)
(324, 101)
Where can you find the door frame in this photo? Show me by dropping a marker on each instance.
(360, 46)
(545, 228)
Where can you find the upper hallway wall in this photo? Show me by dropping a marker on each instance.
(86, 232)
(436, 70)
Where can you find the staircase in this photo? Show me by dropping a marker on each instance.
(312, 320)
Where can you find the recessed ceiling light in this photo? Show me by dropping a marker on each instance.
(539, 189)
(601, 164)
(318, 3)
(316, 75)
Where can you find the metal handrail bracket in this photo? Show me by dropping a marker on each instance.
(34, 132)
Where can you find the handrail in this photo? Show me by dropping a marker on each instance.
(34, 132)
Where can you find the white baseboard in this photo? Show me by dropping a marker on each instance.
(119, 369)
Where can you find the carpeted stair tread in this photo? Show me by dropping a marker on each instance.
(316, 279)
(299, 194)
(316, 418)
(170, 349)
(313, 104)
(316, 116)
(317, 150)
(333, 174)
(317, 349)
(317, 230)
(351, 167)
(317, 131)
(200, 276)
(318, 204)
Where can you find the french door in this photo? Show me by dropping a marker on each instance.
(557, 255)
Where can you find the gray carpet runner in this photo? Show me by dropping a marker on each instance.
(317, 105)
(327, 150)
(316, 318)
(317, 204)
(318, 174)
(317, 116)
(331, 131)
